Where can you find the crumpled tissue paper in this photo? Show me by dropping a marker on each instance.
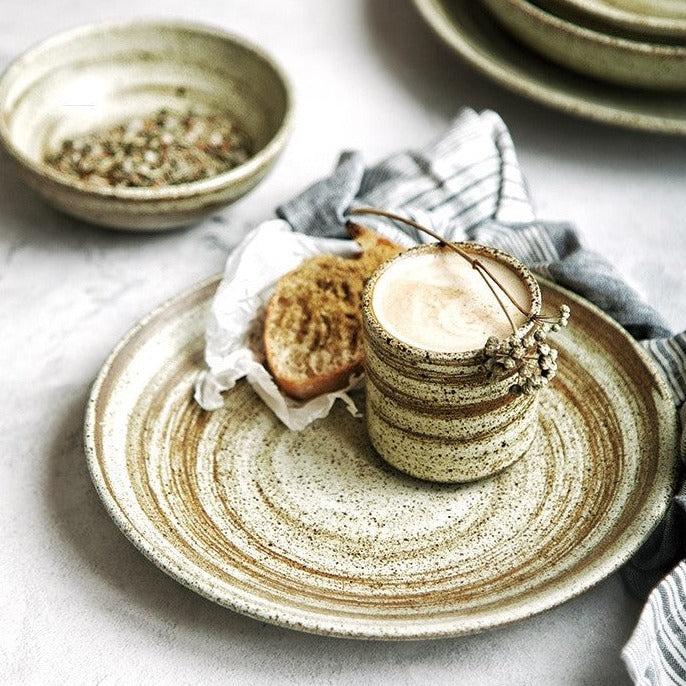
(233, 342)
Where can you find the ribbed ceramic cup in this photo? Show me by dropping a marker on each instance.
(436, 415)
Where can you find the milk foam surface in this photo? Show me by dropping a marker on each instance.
(439, 302)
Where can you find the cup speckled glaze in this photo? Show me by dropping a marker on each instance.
(436, 415)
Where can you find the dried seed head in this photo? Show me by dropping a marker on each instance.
(531, 357)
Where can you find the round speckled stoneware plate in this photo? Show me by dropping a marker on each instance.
(311, 530)
(468, 29)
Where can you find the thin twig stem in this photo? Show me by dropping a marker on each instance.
(501, 303)
(474, 262)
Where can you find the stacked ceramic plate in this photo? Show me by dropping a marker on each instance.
(640, 19)
(617, 61)
(636, 43)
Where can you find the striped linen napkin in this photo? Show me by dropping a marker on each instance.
(468, 186)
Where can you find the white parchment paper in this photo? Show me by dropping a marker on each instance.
(233, 343)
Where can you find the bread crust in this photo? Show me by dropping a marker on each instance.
(313, 323)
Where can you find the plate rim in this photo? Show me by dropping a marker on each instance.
(557, 591)
(626, 19)
(528, 85)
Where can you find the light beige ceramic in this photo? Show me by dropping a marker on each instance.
(642, 20)
(600, 55)
(467, 28)
(674, 9)
(313, 531)
(95, 76)
(437, 416)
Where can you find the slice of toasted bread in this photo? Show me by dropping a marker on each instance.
(313, 324)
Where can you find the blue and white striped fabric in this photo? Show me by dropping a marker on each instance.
(468, 186)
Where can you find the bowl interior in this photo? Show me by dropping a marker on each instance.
(94, 77)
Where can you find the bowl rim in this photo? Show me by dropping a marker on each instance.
(251, 167)
(544, 19)
(623, 18)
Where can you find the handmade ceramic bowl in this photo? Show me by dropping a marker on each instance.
(640, 64)
(438, 416)
(97, 76)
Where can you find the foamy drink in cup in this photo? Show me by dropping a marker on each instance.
(432, 410)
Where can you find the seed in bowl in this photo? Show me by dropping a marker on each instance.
(164, 149)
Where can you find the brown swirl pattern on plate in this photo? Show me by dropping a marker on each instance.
(313, 531)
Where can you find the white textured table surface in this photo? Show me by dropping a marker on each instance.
(78, 604)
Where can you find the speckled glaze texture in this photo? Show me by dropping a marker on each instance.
(437, 416)
(96, 76)
(642, 20)
(312, 530)
(601, 55)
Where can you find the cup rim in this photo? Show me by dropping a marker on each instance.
(422, 354)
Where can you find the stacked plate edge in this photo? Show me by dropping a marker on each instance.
(559, 31)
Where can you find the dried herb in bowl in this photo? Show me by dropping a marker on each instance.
(165, 148)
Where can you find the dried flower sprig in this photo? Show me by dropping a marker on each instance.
(528, 357)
